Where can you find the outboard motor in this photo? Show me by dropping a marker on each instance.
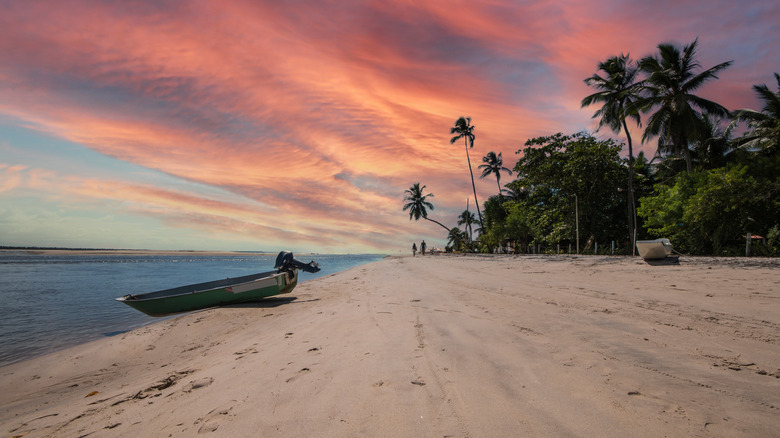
(285, 261)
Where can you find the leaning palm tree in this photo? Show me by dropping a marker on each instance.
(418, 205)
(763, 127)
(670, 84)
(618, 95)
(494, 164)
(463, 129)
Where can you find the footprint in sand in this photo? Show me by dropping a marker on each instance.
(201, 383)
(244, 352)
(212, 420)
(302, 371)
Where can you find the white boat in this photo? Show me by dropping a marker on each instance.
(654, 249)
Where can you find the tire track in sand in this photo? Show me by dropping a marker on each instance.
(446, 395)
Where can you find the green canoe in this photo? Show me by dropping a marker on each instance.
(221, 292)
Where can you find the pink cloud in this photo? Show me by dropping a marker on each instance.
(324, 118)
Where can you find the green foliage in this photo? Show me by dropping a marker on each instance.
(561, 169)
(708, 211)
(763, 127)
(458, 240)
(416, 202)
(705, 192)
(552, 173)
(670, 83)
(773, 241)
(494, 164)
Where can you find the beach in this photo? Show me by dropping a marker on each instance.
(460, 346)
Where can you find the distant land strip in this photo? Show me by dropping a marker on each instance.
(114, 251)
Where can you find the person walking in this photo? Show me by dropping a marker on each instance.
(414, 249)
(423, 247)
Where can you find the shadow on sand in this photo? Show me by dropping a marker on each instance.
(269, 303)
(672, 260)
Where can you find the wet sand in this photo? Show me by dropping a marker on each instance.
(438, 346)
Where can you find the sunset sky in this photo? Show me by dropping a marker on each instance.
(269, 125)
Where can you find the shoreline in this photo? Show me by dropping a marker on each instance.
(456, 345)
(90, 283)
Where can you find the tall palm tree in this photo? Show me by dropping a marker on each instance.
(418, 205)
(463, 129)
(763, 127)
(618, 95)
(494, 164)
(467, 218)
(670, 84)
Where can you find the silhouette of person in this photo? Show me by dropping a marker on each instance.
(423, 247)
(414, 249)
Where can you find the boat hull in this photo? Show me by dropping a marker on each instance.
(654, 249)
(214, 293)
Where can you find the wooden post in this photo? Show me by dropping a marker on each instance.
(595, 247)
(613, 247)
(747, 244)
(577, 219)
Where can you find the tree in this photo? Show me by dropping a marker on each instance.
(713, 147)
(763, 127)
(456, 239)
(556, 169)
(418, 205)
(463, 129)
(493, 164)
(618, 96)
(644, 180)
(467, 218)
(708, 211)
(670, 84)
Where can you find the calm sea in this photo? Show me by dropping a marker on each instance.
(50, 302)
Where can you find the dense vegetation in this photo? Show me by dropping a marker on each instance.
(705, 189)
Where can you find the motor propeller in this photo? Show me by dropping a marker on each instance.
(285, 260)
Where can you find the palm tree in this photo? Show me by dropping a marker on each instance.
(763, 127)
(714, 147)
(418, 205)
(493, 164)
(463, 129)
(670, 84)
(619, 94)
(467, 218)
(456, 239)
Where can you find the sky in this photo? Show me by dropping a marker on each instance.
(270, 125)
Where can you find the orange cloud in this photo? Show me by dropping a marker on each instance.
(320, 121)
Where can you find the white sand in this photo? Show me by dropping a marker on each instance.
(438, 346)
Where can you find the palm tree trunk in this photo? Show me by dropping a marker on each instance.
(438, 223)
(681, 145)
(498, 183)
(631, 205)
(468, 222)
(688, 164)
(474, 187)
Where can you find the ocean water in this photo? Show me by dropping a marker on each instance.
(50, 302)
